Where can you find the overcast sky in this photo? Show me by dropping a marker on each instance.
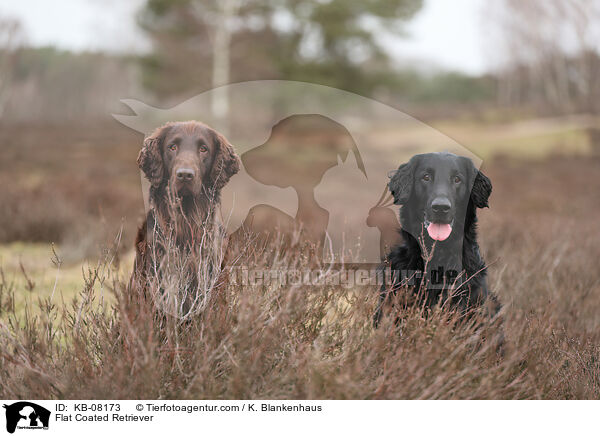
(444, 33)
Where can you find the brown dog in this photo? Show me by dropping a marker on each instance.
(180, 247)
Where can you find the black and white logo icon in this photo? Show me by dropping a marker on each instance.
(26, 415)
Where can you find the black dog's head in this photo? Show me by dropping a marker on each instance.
(188, 156)
(436, 190)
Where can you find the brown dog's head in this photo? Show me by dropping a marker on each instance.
(189, 157)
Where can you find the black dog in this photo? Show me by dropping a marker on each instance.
(440, 259)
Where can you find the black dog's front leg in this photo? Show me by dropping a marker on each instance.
(384, 294)
(397, 271)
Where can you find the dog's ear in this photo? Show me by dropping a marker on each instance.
(225, 164)
(150, 159)
(482, 187)
(401, 182)
(481, 191)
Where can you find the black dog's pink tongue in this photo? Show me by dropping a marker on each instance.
(439, 232)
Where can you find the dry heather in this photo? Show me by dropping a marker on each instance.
(71, 185)
(316, 342)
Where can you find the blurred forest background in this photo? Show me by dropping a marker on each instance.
(545, 59)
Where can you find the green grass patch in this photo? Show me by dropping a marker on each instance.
(36, 271)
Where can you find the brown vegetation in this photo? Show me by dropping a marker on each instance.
(72, 185)
(541, 243)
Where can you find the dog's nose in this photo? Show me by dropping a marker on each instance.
(185, 174)
(441, 205)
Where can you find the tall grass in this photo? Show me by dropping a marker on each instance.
(541, 242)
(279, 341)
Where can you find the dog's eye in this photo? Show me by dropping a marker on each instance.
(203, 148)
(426, 178)
(173, 147)
(457, 180)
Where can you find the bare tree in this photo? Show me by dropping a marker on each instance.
(551, 54)
(11, 39)
(218, 18)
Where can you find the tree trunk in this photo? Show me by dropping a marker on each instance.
(220, 74)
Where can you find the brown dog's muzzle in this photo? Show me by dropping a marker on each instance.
(187, 176)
